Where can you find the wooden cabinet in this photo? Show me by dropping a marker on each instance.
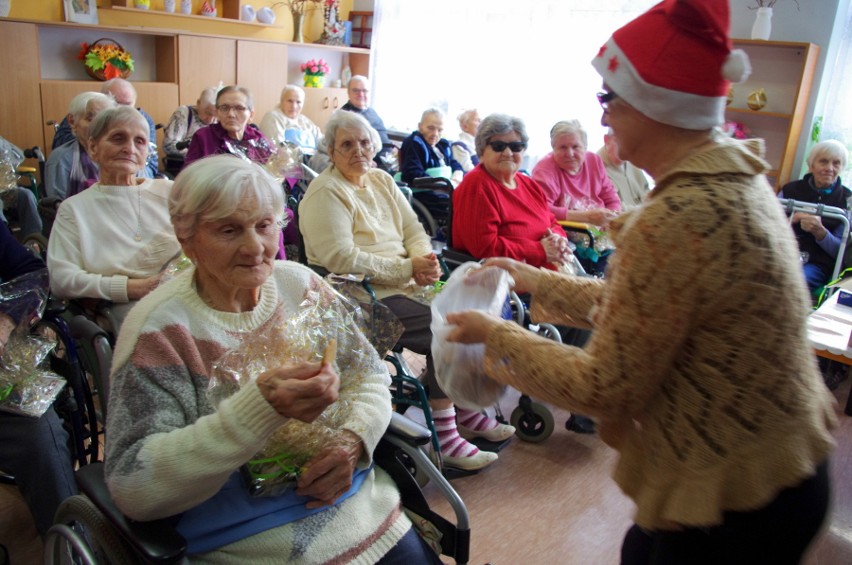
(321, 103)
(20, 114)
(262, 68)
(203, 62)
(785, 71)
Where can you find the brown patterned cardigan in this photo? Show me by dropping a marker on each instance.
(699, 369)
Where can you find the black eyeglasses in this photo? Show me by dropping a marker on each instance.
(604, 98)
(500, 146)
(226, 109)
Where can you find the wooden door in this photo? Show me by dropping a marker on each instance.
(203, 62)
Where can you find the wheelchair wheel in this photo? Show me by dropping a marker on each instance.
(533, 425)
(420, 477)
(36, 243)
(425, 217)
(105, 543)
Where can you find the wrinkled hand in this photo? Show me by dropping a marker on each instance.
(556, 248)
(138, 288)
(810, 223)
(300, 391)
(600, 216)
(525, 276)
(328, 475)
(471, 326)
(425, 270)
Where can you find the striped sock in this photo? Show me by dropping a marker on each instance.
(452, 444)
(476, 420)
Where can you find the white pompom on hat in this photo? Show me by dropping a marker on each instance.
(674, 63)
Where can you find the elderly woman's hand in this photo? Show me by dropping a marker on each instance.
(556, 248)
(328, 475)
(600, 216)
(138, 288)
(472, 326)
(811, 224)
(425, 270)
(7, 325)
(300, 391)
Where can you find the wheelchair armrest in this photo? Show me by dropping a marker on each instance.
(157, 540)
(408, 430)
(440, 184)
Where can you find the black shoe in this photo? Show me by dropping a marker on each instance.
(580, 424)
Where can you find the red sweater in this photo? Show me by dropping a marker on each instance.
(490, 220)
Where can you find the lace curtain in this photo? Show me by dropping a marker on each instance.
(837, 82)
(531, 60)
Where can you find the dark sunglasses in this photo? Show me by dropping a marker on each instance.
(500, 146)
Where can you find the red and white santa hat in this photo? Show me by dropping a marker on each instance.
(674, 63)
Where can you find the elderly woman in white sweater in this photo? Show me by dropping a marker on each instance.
(112, 240)
(356, 220)
(173, 449)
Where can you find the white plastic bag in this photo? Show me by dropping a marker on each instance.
(460, 368)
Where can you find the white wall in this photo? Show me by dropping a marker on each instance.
(815, 21)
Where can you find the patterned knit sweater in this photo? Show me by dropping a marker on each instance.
(168, 449)
(699, 367)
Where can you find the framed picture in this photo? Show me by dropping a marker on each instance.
(81, 11)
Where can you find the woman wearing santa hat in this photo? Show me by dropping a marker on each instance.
(724, 453)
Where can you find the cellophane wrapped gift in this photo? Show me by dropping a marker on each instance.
(26, 387)
(459, 367)
(304, 336)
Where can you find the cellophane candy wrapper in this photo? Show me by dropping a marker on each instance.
(286, 163)
(174, 267)
(27, 388)
(376, 321)
(323, 316)
(460, 368)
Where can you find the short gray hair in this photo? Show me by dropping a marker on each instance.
(498, 124)
(292, 88)
(213, 188)
(208, 96)
(115, 116)
(467, 115)
(350, 121)
(360, 78)
(565, 127)
(432, 112)
(242, 90)
(831, 148)
(80, 103)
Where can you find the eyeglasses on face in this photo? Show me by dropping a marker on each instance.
(360, 91)
(349, 147)
(500, 146)
(604, 98)
(226, 109)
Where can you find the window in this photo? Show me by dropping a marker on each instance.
(837, 116)
(531, 60)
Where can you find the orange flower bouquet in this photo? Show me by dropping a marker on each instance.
(106, 59)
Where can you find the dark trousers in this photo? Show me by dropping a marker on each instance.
(416, 319)
(778, 533)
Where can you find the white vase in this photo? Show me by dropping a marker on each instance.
(169, 5)
(762, 24)
(5, 6)
(186, 6)
(247, 13)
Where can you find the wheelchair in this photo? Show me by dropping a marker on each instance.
(93, 531)
(430, 198)
(533, 421)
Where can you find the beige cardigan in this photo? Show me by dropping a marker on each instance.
(699, 368)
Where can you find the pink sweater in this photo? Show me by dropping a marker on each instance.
(564, 192)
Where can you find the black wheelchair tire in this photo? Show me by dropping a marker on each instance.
(534, 425)
(106, 543)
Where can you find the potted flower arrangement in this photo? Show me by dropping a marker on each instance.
(315, 71)
(106, 59)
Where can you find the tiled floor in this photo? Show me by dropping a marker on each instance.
(546, 503)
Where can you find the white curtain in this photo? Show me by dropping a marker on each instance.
(527, 59)
(837, 115)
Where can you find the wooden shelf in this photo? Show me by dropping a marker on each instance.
(751, 112)
(192, 16)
